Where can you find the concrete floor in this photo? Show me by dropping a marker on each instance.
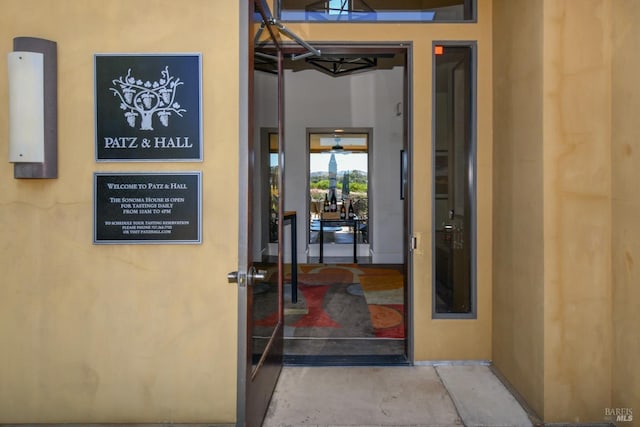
(447, 395)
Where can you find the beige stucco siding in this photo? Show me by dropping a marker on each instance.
(625, 207)
(564, 262)
(136, 333)
(518, 306)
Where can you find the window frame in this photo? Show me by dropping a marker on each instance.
(347, 130)
(278, 11)
(473, 162)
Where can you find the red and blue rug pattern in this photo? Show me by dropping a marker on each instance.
(345, 301)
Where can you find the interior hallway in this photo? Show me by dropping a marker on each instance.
(446, 395)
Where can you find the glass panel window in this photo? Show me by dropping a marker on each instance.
(453, 182)
(377, 10)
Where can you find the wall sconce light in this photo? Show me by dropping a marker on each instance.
(33, 108)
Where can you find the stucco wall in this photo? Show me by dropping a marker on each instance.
(118, 333)
(626, 205)
(557, 108)
(577, 209)
(518, 322)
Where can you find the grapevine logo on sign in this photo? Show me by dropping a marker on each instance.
(141, 101)
(148, 107)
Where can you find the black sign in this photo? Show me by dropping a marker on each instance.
(148, 107)
(147, 208)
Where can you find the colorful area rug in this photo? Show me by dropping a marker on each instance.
(346, 301)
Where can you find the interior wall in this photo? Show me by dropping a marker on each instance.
(365, 100)
(118, 333)
(518, 257)
(577, 209)
(626, 205)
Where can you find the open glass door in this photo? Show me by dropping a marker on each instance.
(260, 272)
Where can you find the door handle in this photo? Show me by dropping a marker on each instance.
(252, 275)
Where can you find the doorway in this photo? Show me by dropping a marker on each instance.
(431, 332)
(352, 289)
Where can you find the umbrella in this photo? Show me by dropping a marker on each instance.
(345, 184)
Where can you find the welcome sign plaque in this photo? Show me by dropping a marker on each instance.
(148, 107)
(147, 207)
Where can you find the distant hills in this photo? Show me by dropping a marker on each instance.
(339, 175)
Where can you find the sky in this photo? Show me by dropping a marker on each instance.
(346, 162)
(319, 162)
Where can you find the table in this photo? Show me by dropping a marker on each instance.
(336, 225)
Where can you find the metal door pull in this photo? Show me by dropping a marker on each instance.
(232, 277)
